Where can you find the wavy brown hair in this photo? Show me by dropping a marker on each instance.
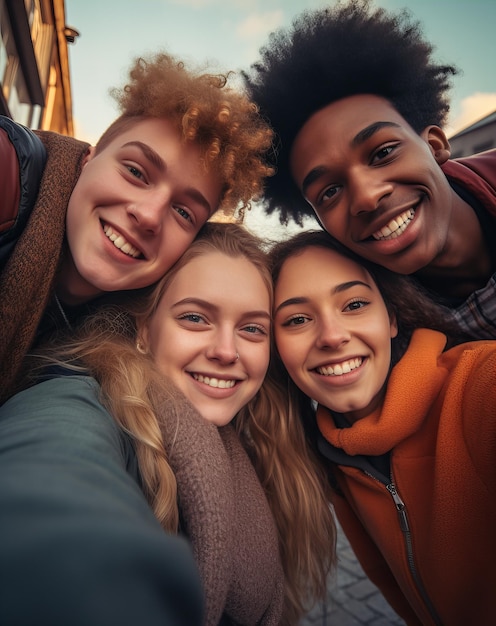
(269, 426)
(221, 120)
(405, 299)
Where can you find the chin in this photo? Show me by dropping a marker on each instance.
(216, 419)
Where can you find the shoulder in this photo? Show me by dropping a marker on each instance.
(477, 173)
(472, 385)
(23, 139)
(481, 163)
(64, 415)
(472, 366)
(58, 145)
(23, 158)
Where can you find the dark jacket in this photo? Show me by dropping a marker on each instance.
(477, 174)
(474, 179)
(80, 544)
(23, 157)
(78, 537)
(33, 235)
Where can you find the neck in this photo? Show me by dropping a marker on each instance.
(71, 288)
(465, 263)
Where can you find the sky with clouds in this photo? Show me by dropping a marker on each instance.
(227, 35)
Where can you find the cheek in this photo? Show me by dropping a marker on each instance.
(288, 351)
(259, 359)
(334, 223)
(175, 241)
(383, 351)
(162, 342)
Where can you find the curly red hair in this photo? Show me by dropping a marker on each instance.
(233, 137)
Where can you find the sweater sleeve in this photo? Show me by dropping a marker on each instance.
(80, 544)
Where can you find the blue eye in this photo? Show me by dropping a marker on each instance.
(183, 213)
(135, 171)
(195, 318)
(255, 329)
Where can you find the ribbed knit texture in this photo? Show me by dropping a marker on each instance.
(225, 516)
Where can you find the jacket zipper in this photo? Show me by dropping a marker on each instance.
(405, 527)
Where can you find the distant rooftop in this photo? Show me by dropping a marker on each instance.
(487, 119)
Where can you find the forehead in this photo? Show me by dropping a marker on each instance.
(354, 111)
(341, 121)
(215, 275)
(151, 129)
(318, 269)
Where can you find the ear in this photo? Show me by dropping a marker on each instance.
(143, 340)
(393, 326)
(437, 142)
(89, 155)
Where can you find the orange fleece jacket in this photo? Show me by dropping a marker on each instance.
(438, 420)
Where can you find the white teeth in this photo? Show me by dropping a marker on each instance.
(395, 227)
(219, 383)
(340, 368)
(121, 243)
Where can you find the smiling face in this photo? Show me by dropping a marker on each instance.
(136, 207)
(375, 184)
(216, 308)
(333, 331)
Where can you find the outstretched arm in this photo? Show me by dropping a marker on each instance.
(79, 544)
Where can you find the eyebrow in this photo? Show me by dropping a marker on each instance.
(213, 307)
(370, 130)
(357, 140)
(198, 197)
(149, 153)
(337, 289)
(155, 159)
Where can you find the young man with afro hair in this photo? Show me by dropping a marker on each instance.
(358, 105)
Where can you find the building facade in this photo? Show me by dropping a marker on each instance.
(35, 86)
(477, 137)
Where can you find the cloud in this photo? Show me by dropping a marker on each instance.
(201, 4)
(257, 25)
(252, 32)
(195, 4)
(472, 109)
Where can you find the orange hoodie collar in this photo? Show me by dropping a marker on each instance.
(413, 386)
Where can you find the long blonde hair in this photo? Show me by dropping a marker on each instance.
(269, 426)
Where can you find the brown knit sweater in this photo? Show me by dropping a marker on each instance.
(27, 280)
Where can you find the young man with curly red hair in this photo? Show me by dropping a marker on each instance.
(116, 216)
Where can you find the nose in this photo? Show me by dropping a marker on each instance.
(148, 214)
(223, 348)
(332, 334)
(367, 190)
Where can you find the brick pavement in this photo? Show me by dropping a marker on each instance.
(352, 599)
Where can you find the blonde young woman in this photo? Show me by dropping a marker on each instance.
(238, 481)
